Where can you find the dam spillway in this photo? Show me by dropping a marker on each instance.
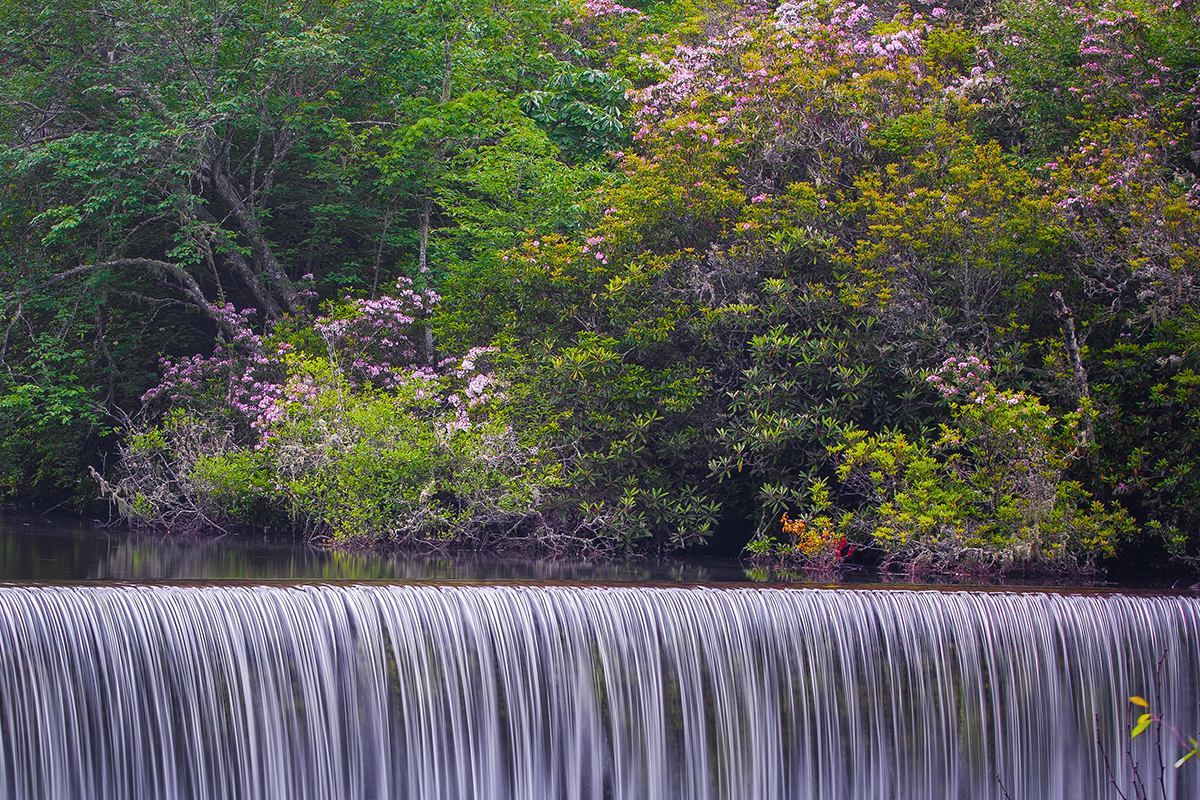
(536, 692)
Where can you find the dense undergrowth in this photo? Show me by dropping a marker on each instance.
(915, 283)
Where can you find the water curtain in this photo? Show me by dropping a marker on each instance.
(530, 692)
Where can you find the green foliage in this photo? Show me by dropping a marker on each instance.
(581, 110)
(800, 395)
(1149, 389)
(385, 467)
(1147, 719)
(987, 496)
(636, 468)
(47, 416)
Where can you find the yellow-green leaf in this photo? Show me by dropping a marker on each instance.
(1143, 722)
(1139, 701)
(1179, 763)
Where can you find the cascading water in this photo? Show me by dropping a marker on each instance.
(555, 692)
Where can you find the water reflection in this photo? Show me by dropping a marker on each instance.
(44, 550)
(36, 549)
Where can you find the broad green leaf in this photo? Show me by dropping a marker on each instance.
(1143, 722)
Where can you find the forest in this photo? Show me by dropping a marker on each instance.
(907, 284)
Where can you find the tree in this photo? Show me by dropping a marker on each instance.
(169, 166)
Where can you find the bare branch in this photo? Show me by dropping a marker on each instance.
(228, 324)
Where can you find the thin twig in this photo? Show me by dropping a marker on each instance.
(1162, 764)
(1112, 778)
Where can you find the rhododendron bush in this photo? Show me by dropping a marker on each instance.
(820, 200)
(333, 426)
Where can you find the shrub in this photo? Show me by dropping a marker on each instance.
(332, 428)
(989, 495)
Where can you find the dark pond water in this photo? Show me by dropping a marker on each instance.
(38, 549)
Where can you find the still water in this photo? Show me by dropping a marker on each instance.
(67, 549)
(39, 549)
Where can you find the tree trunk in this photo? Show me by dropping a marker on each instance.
(423, 276)
(249, 225)
(1083, 395)
(241, 267)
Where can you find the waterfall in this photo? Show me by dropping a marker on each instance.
(532, 692)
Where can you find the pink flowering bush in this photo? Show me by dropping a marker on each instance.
(606, 8)
(1076, 65)
(336, 427)
(745, 146)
